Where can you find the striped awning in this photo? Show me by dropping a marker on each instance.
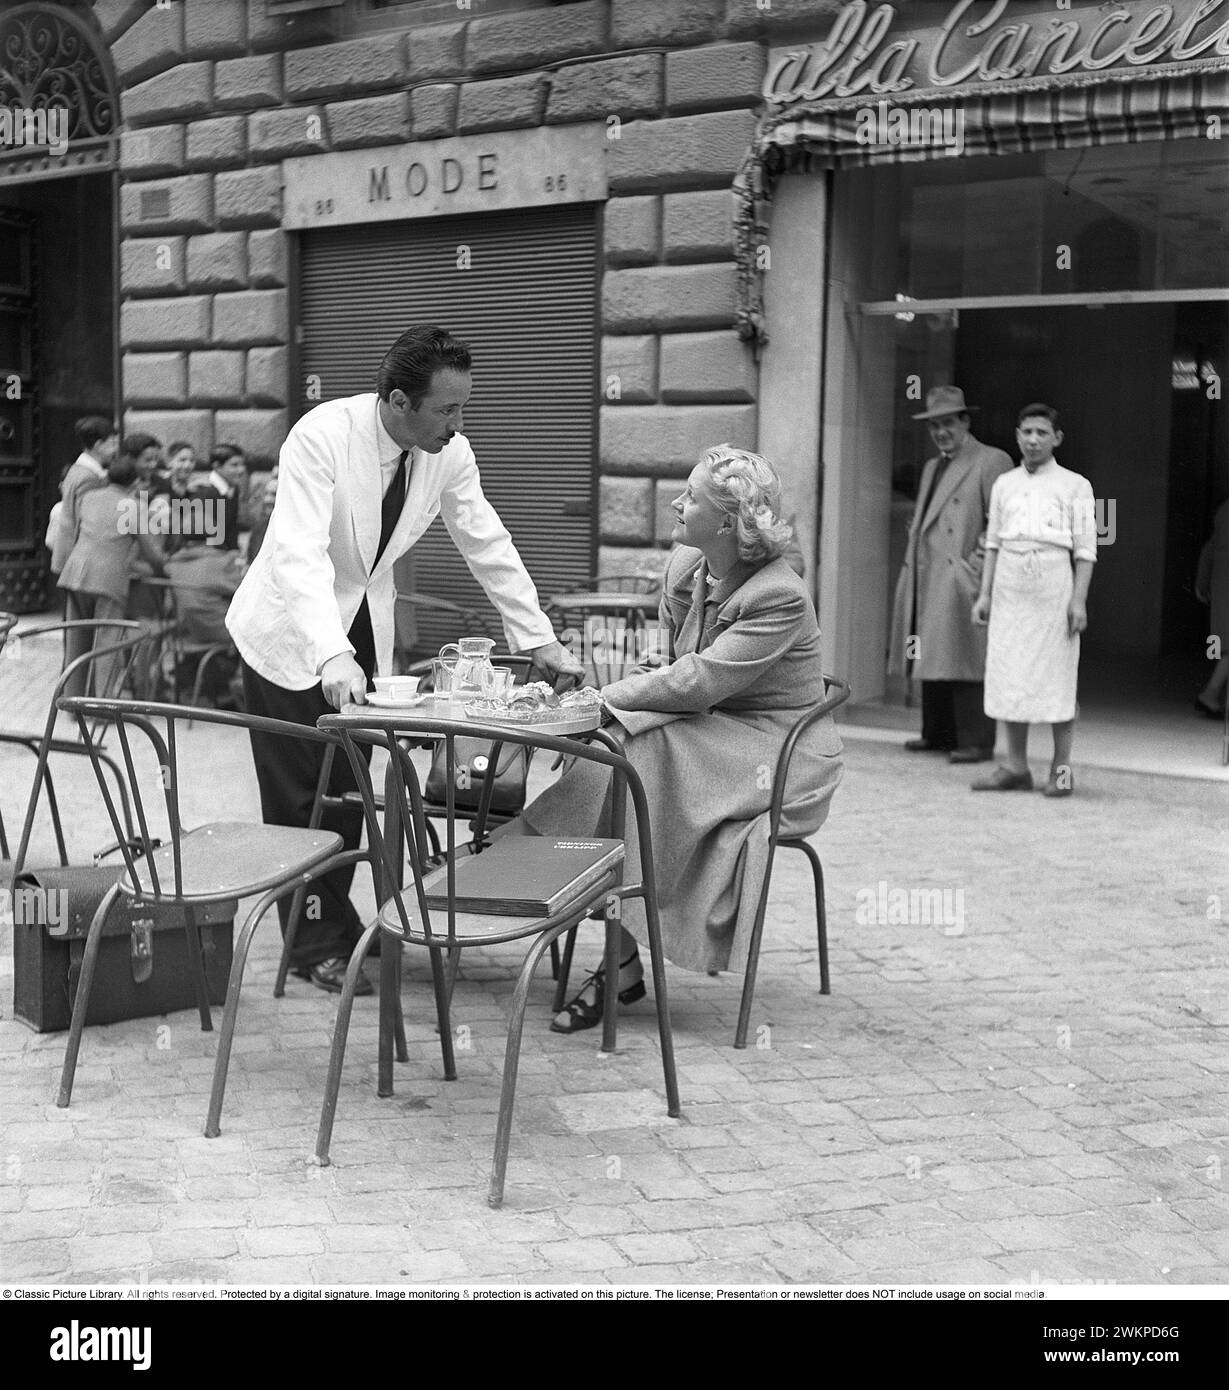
(1116, 109)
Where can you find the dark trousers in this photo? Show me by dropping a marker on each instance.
(79, 641)
(954, 716)
(287, 771)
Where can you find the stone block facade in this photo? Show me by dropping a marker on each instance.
(216, 96)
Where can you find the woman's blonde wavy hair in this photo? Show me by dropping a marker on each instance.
(746, 486)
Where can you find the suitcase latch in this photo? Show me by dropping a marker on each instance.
(141, 943)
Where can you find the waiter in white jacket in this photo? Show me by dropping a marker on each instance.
(359, 480)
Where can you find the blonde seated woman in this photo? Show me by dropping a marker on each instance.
(704, 732)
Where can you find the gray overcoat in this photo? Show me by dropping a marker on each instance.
(704, 733)
(942, 570)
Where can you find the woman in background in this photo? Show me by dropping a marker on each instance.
(109, 535)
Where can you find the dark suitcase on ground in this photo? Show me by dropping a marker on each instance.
(46, 967)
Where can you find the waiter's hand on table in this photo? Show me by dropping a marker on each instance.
(558, 665)
(343, 682)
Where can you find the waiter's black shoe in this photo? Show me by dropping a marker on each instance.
(330, 976)
(971, 755)
(924, 745)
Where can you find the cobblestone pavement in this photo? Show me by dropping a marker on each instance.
(1021, 1079)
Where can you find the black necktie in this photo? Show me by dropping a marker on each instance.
(940, 468)
(390, 508)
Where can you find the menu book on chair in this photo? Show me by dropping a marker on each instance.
(524, 875)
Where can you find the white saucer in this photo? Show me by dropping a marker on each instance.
(381, 699)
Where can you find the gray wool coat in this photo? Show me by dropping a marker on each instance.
(942, 570)
(704, 734)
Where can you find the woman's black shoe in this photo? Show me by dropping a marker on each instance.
(582, 1013)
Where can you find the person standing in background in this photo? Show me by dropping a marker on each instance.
(933, 636)
(99, 441)
(225, 484)
(1041, 545)
(98, 570)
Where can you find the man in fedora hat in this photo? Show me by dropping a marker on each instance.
(934, 639)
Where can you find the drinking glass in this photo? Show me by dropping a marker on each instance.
(441, 679)
(497, 683)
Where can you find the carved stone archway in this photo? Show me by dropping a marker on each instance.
(53, 57)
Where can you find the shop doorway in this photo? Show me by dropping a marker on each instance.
(57, 356)
(1138, 388)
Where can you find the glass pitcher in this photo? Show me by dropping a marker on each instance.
(469, 660)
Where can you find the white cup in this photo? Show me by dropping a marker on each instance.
(397, 687)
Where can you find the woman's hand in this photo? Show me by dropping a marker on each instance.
(1077, 618)
(981, 610)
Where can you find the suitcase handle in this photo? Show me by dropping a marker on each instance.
(135, 847)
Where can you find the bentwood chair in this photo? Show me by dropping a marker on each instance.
(837, 692)
(214, 863)
(104, 671)
(407, 917)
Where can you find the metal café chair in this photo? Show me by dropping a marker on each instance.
(609, 629)
(462, 621)
(628, 583)
(103, 671)
(214, 863)
(177, 647)
(485, 816)
(837, 692)
(406, 915)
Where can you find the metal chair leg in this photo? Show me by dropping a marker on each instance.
(439, 980)
(81, 1003)
(821, 911)
(554, 960)
(390, 986)
(512, 1058)
(402, 1052)
(454, 969)
(288, 940)
(610, 996)
(753, 955)
(196, 955)
(565, 969)
(665, 1031)
(243, 944)
(341, 1032)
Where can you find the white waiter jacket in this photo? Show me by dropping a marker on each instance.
(296, 604)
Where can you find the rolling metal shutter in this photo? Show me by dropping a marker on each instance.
(527, 306)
